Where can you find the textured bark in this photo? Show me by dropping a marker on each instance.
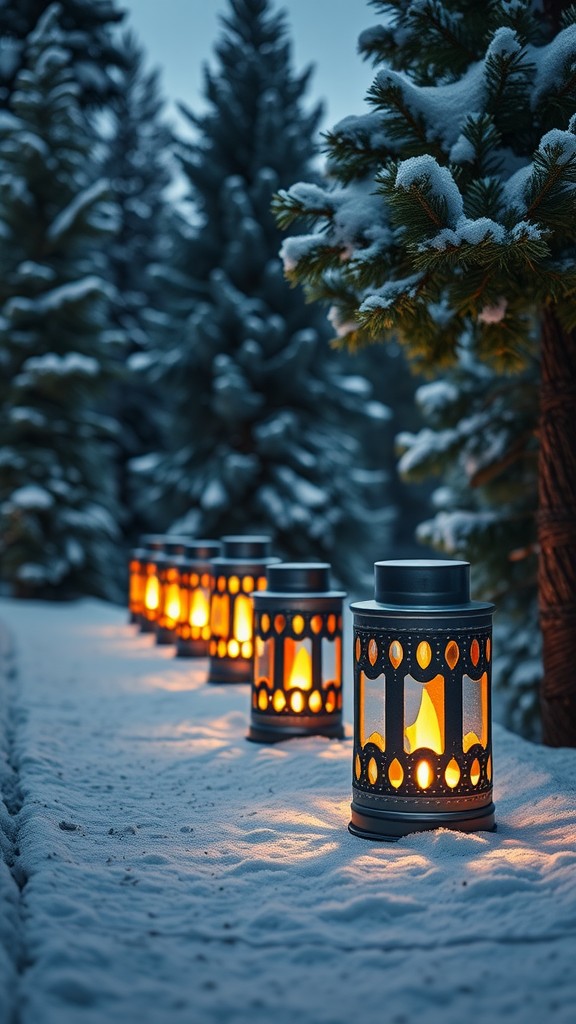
(557, 531)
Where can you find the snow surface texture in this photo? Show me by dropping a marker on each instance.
(177, 873)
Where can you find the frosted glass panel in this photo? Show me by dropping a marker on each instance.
(331, 661)
(373, 710)
(264, 661)
(474, 711)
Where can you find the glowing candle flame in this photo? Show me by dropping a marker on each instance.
(425, 731)
(199, 607)
(172, 602)
(152, 595)
(424, 774)
(301, 671)
(243, 618)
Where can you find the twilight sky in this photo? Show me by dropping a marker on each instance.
(179, 36)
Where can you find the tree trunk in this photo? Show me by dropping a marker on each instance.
(557, 531)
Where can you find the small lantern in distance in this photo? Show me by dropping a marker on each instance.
(297, 682)
(153, 545)
(136, 583)
(196, 578)
(239, 571)
(169, 579)
(422, 729)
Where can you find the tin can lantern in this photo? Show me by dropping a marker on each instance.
(422, 703)
(297, 680)
(240, 570)
(153, 545)
(196, 580)
(136, 583)
(168, 612)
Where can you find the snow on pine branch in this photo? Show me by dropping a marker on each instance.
(80, 205)
(74, 293)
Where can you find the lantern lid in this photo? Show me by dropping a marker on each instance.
(152, 541)
(204, 549)
(175, 545)
(421, 583)
(246, 547)
(298, 578)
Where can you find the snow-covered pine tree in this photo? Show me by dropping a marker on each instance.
(262, 431)
(138, 146)
(479, 440)
(454, 205)
(57, 510)
(89, 28)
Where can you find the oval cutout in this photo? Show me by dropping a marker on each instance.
(395, 773)
(424, 654)
(452, 653)
(452, 773)
(372, 652)
(475, 652)
(372, 771)
(475, 772)
(395, 653)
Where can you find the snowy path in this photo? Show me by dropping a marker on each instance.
(177, 874)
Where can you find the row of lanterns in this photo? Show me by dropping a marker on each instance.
(422, 667)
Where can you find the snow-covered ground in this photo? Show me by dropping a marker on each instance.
(176, 874)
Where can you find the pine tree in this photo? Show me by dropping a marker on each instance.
(454, 205)
(57, 510)
(89, 27)
(480, 441)
(137, 165)
(262, 434)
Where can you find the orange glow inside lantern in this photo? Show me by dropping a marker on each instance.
(297, 665)
(237, 573)
(152, 592)
(422, 652)
(426, 730)
(242, 627)
(136, 586)
(297, 682)
(195, 582)
(172, 604)
(199, 608)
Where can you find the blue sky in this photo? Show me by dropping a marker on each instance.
(180, 34)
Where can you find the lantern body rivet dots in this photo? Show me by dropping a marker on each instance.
(297, 681)
(196, 580)
(422, 704)
(237, 573)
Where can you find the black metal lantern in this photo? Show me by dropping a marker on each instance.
(196, 580)
(297, 681)
(422, 703)
(237, 573)
(153, 545)
(136, 583)
(168, 612)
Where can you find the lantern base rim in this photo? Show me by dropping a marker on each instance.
(164, 636)
(191, 648)
(146, 625)
(222, 670)
(393, 825)
(262, 733)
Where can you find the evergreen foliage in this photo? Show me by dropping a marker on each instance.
(92, 50)
(262, 432)
(57, 509)
(137, 165)
(450, 226)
